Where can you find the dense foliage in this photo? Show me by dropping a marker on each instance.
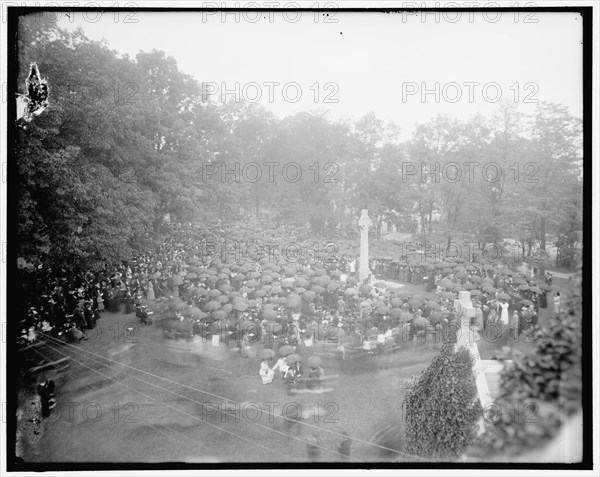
(126, 143)
(442, 407)
(542, 388)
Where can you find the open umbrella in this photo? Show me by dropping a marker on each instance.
(503, 296)
(292, 301)
(294, 358)
(309, 296)
(475, 292)
(214, 293)
(365, 289)
(195, 312)
(331, 286)
(523, 287)
(222, 299)
(240, 306)
(395, 313)
(266, 353)
(219, 315)
(212, 305)
(526, 302)
(433, 305)
(285, 350)
(421, 321)
(380, 285)
(268, 314)
(313, 361)
(405, 316)
(435, 317)
(351, 291)
(415, 302)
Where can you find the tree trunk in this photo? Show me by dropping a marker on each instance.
(543, 233)
(430, 216)
(157, 229)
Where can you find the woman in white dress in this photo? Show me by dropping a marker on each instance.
(557, 303)
(151, 295)
(266, 373)
(282, 366)
(504, 312)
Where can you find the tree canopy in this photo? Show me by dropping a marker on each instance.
(127, 143)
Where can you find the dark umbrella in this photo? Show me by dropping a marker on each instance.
(313, 361)
(285, 350)
(294, 358)
(266, 353)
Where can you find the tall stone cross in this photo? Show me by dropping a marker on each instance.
(364, 223)
(464, 308)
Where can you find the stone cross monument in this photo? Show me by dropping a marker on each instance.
(468, 338)
(364, 223)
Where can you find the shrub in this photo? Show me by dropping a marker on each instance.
(442, 408)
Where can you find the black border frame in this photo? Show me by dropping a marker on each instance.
(586, 13)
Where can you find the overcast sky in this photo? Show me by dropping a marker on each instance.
(365, 62)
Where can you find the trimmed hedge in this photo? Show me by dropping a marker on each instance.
(442, 407)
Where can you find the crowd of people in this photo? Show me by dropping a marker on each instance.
(253, 301)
